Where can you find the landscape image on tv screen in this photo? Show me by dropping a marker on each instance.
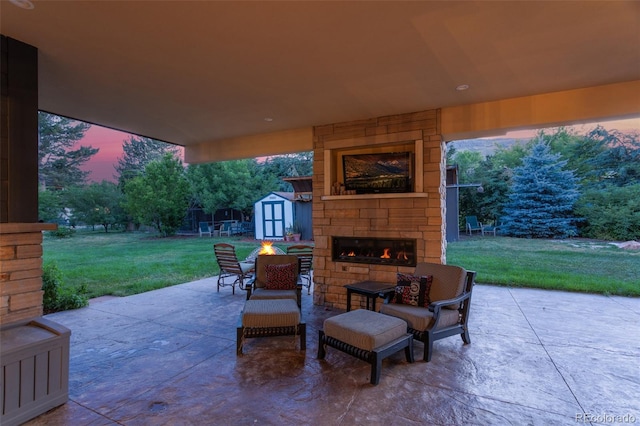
(377, 173)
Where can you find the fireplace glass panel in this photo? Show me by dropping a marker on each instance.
(376, 251)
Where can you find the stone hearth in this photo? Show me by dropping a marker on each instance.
(416, 216)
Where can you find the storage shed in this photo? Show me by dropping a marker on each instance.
(273, 214)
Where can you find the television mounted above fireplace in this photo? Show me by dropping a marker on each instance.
(389, 172)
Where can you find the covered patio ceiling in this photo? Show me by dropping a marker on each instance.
(210, 72)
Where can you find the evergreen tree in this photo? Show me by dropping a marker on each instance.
(59, 164)
(137, 153)
(542, 196)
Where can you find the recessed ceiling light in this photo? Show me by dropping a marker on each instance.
(24, 4)
(268, 119)
(462, 87)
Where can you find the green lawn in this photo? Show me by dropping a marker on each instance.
(122, 264)
(573, 265)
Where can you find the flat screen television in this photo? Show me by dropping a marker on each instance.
(381, 173)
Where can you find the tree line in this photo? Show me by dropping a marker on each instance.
(559, 184)
(154, 187)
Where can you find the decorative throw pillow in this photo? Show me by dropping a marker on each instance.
(281, 277)
(412, 290)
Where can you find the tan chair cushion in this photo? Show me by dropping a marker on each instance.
(264, 294)
(364, 329)
(448, 281)
(419, 318)
(270, 313)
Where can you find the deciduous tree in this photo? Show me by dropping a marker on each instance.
(611, 214)
(97, 204)
(160, 196)
(50, 206)
(289, 165)
(234, 184)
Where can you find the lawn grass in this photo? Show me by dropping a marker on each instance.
(571, 265)
(122, 264)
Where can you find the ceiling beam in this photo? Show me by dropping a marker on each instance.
(570, 107)
(283, 142)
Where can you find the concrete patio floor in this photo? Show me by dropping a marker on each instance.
(167, 357)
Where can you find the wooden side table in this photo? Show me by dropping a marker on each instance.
(371, 289)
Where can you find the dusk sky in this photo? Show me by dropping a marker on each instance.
(110, 143)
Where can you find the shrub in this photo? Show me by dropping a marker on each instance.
(612, 213)
(62, 232)
(58, 297)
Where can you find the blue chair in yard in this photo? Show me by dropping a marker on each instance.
(225, 229)
(472, 225)
(493, 229)
(204, 229)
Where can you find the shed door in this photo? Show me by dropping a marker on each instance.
(273, 219)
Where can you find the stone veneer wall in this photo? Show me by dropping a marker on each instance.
(21, 271)
(419, 216)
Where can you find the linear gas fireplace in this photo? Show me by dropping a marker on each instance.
(376, 251)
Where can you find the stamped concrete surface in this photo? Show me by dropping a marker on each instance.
(167, 357)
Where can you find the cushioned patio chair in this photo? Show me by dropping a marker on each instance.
(439, 309)
(276, 277)
(305, 254)
(230, 267)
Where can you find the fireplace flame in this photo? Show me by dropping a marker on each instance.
(386, 254)
(267, 248)
(402, 255)
(351, 254)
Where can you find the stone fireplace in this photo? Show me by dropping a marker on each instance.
(416, 216)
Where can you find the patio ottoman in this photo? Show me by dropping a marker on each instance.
(367, 335)
(270, 317)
